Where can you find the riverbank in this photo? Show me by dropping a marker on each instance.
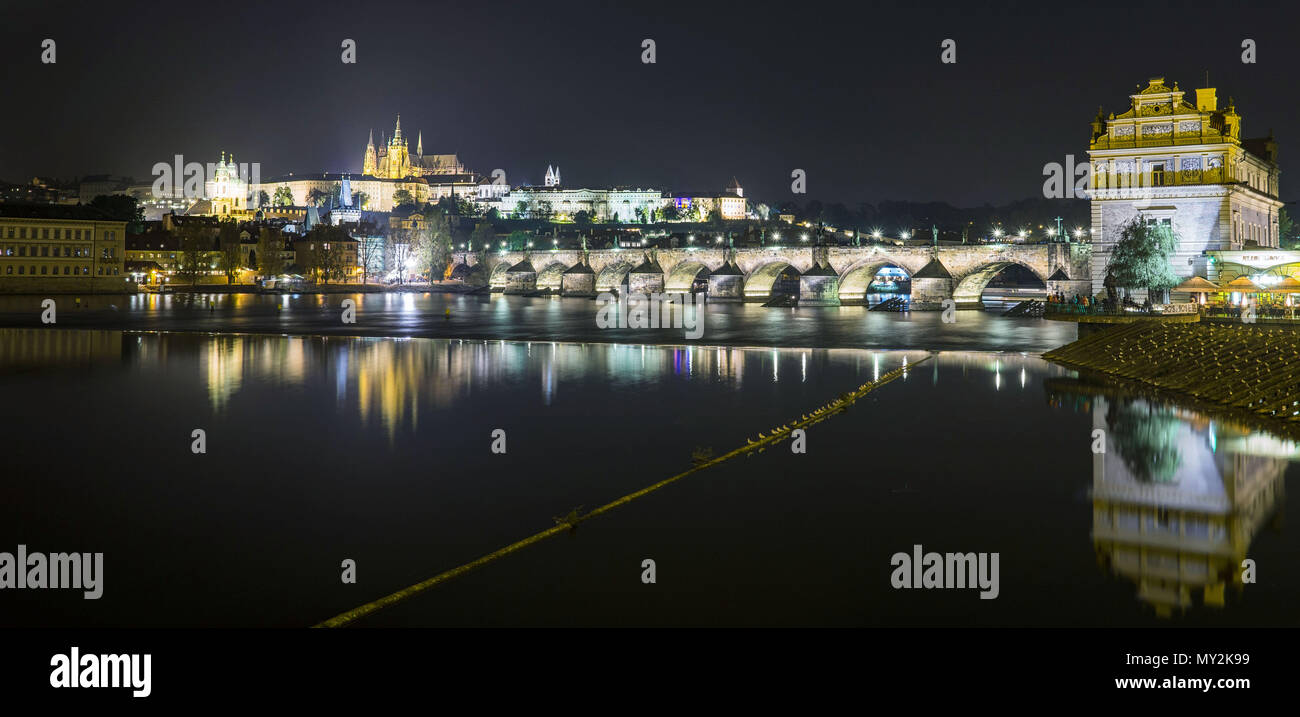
(1250, 372)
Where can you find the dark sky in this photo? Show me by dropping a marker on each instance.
(853, 93)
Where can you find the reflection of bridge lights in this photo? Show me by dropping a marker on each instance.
(803, 237)
(875, 233)
(904, 234)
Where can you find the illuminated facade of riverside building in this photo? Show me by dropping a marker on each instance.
(1185, 165)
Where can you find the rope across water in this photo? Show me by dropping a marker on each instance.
(571, 521)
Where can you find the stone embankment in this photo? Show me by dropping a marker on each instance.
(1248, 370)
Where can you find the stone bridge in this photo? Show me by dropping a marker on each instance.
(828, 276)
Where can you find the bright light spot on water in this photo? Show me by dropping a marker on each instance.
(875, 367)
(803, 366)
(1022, 377)
(775, 376)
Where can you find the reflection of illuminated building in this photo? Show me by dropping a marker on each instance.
(1177, 499)
(23, 349)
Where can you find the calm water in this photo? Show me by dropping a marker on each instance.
(537, 319)
(378, 450)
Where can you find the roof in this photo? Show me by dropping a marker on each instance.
(78, 212)
(523, 266)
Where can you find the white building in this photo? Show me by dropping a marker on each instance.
(1169, 161)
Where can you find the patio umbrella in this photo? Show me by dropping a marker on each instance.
(1243, 284)
(1198, 285)
(1288, 285)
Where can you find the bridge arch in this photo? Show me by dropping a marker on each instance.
(760, 281)
(498, 275)
(857, 279)
(551, 276)
(970, 288)
(681, 276)
(613, 276)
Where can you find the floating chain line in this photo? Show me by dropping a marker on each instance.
(571, 521)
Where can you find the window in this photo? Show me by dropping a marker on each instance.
(22, 270)
(44, 270)
(65, 270)
(1157, 175)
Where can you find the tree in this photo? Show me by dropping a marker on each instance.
(263, 198)
(484, 236)
(582, 217)
(398, 246)
(317, 197)
(671, 213)
(518, 240)
(370, 254)
(433, 247)
(283, 197)
(360, 200)
(228, 241)
(195, 245)
(521, 210)
(120, 207)
(1140, 258)
(269, 246)
(403, 197)
(1288, 230)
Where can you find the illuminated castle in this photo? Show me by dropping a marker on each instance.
(393, 159)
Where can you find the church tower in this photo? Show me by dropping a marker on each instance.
(370, 165)
(552, 176)
(419, 145)
(399, 158)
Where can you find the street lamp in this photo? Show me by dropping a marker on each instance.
(904, 235)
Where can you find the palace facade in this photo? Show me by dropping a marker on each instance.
(60, 248)
(1184, 164)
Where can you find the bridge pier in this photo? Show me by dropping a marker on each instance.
(727, 284)
(521, 278)
(819, 286)
(579, 281)
(646, 279)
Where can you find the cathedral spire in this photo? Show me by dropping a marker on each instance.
(371, 143)
(419, 144)
(397, 133)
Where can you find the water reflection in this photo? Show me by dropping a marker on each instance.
(1178, 497)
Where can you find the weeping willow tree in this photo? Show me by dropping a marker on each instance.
(1146, 438)
(1140, 259)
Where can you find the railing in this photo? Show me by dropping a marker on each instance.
(1111, 309)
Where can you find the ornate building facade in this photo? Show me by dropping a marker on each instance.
(1170, 161)
(393, 159)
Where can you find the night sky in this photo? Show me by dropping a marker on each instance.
(853, 93)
